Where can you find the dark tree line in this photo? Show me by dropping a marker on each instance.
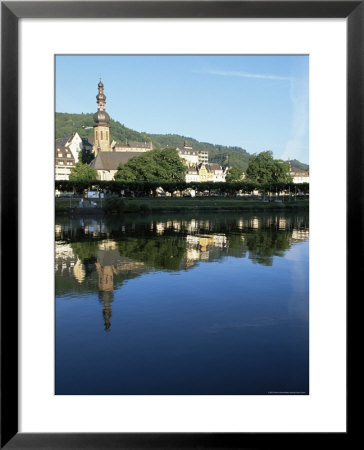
(148, 188)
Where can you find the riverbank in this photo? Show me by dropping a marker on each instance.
(65, 205)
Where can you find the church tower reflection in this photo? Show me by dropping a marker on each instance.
(106, 298)
(106, 291)
(111, 269)
(107, 258)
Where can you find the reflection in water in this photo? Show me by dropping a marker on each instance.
(99, 255)
(106, 298)
(204, 303)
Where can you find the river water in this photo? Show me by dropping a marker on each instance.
(213, 303)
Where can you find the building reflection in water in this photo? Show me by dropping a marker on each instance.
(106, 298)
(79, 271)
(109, 263)
(106, 291)
(92, 255)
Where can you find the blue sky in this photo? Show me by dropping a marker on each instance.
(251, 101)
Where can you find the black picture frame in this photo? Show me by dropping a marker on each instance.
(11, 12)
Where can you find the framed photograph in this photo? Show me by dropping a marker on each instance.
(184, 250)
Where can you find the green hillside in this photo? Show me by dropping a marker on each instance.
(298, 165)
(237, 156)
(68, 123)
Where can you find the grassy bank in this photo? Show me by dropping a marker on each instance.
(192, 204)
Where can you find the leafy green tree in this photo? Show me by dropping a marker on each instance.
(263, 244)
(139, 168)
(264, 169)
(161, 252)
(155, 165)
(234, 174)
(86, 156)
(82, 172)
(85, 250)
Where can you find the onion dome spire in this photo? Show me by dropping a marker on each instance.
(101, 116)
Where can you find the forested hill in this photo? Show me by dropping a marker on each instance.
(66, 124)
(238, 157)
(298, 165)
(234, 156)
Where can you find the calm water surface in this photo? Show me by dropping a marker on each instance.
(211, 303)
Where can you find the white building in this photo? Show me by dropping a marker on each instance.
(217, 173)
(299, 176)
(203, 156)
(191, 156)
(65, 161)
(192, 175)
(74, 143)
(67, 154)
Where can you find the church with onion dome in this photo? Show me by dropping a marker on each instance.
(102, 131)
(108, 156)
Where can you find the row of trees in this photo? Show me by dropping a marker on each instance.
(146, 188)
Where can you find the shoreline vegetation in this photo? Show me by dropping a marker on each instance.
(128, 197)
(118, 205)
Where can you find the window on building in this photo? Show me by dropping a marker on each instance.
(69, 155)
(59, 155)
(102, 137)
(97, 135)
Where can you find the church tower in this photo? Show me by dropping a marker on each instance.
(101, 127)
